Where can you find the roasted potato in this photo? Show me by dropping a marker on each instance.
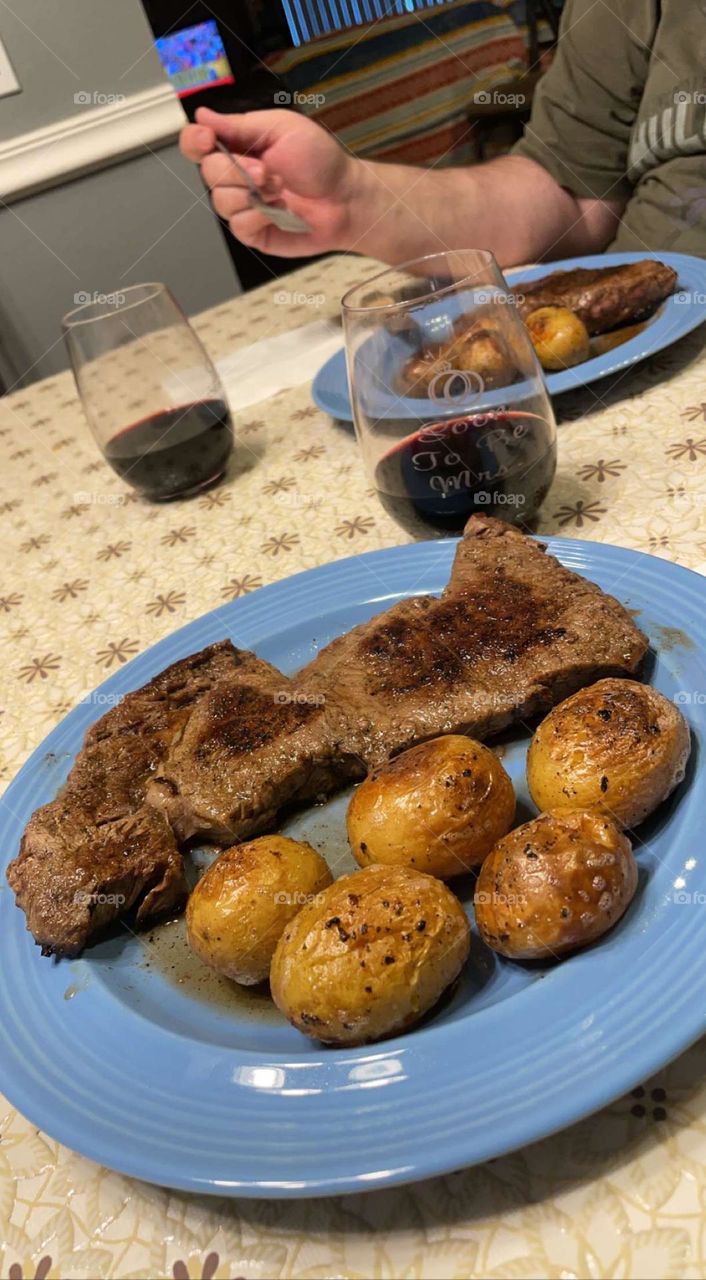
(438, 807)
(554, 884)
(370, 955)
(559, 337)
(485, 354)
(242, 904)
(617, 746)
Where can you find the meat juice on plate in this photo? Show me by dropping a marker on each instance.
(501, 463)
(175, 452)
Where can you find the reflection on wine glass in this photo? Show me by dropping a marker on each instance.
(150, 393)
(451, 409)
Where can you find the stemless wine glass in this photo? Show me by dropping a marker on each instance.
(451, 409)
(149, 391)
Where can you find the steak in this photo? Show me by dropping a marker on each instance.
(514, 633)
(253, 744)
(603, 297)
(95, 852)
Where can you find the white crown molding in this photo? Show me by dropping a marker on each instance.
(87, 141)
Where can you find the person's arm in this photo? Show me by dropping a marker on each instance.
(511, 205)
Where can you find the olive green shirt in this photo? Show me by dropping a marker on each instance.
(621, 115)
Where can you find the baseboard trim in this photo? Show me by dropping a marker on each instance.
(89, 140)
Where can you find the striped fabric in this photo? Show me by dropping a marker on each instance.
(403, 89)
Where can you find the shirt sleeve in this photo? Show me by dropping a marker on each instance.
(585, 106)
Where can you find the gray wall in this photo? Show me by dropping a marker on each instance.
(145, 218)
(62, 47)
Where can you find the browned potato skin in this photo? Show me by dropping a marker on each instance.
(618, 746)
(439, 807)
(243, 903)
(485, 353)
(554, 884)
(370, 956)
(559, 337)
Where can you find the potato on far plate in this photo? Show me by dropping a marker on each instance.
(559, 337)
(554, 884)
(617, 745)
(370, 955)
(438, 807)
(242, 904)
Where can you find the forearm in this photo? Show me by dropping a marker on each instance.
(510, 205)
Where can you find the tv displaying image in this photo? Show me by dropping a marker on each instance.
(195, 58)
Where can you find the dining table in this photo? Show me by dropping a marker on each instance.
(93, 575)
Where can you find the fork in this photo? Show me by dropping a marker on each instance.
(284, 219)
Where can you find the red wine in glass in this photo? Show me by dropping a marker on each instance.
(136, 348)
(175, 452)
(499, 464)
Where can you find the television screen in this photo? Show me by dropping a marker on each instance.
(195, 58)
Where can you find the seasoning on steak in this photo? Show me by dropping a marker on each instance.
(95, 852)
(252, 745)
(603, 297)
(514, 633)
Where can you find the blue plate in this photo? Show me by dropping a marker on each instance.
(133, 1063)
(678, 315)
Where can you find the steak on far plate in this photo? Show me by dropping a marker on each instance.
(603, 297)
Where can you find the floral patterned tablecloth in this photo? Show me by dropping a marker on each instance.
(91, 576)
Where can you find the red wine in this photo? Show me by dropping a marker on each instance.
(500, 464)
(174, 452)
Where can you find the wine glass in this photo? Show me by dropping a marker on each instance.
(451, 409)
(150, 393)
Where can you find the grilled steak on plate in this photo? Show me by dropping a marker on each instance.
(95, 852)
(219, 742)
(253, 744)
(603, 297)
(514, 633)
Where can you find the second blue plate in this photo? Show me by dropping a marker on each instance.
(677, 316)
